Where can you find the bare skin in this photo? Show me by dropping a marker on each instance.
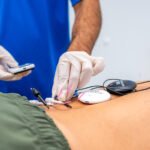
(87, 25)
(120, 124)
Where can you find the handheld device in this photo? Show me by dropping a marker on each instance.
(21, 68)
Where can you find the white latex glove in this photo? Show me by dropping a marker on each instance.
(74, 70)
(6, 59)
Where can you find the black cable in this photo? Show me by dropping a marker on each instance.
(98, 86)
(104, 87)
(144, 82)
(37, 94)
(142, 89)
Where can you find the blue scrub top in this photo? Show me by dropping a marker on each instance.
(34, 31)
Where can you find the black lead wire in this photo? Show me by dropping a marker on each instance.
(37, 94)
(105, 87)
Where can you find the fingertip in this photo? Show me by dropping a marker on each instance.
(62, 95)
(54, 93)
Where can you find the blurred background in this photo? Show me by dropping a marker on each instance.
(124, 40)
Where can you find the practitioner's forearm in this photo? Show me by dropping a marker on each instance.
(87, 25)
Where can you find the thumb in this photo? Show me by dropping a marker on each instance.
(10, 61)
(6, 58)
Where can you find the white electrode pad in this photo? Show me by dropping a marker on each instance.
(93, 97)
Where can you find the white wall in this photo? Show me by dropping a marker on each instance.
(125, 40)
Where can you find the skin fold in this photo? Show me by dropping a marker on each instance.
(123, 123)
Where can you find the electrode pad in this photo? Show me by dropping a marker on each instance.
(93, 97)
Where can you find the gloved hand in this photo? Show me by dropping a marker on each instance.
(73, 71)
(6, 59)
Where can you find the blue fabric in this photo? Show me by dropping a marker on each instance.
(34, 31)
(74, 2)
